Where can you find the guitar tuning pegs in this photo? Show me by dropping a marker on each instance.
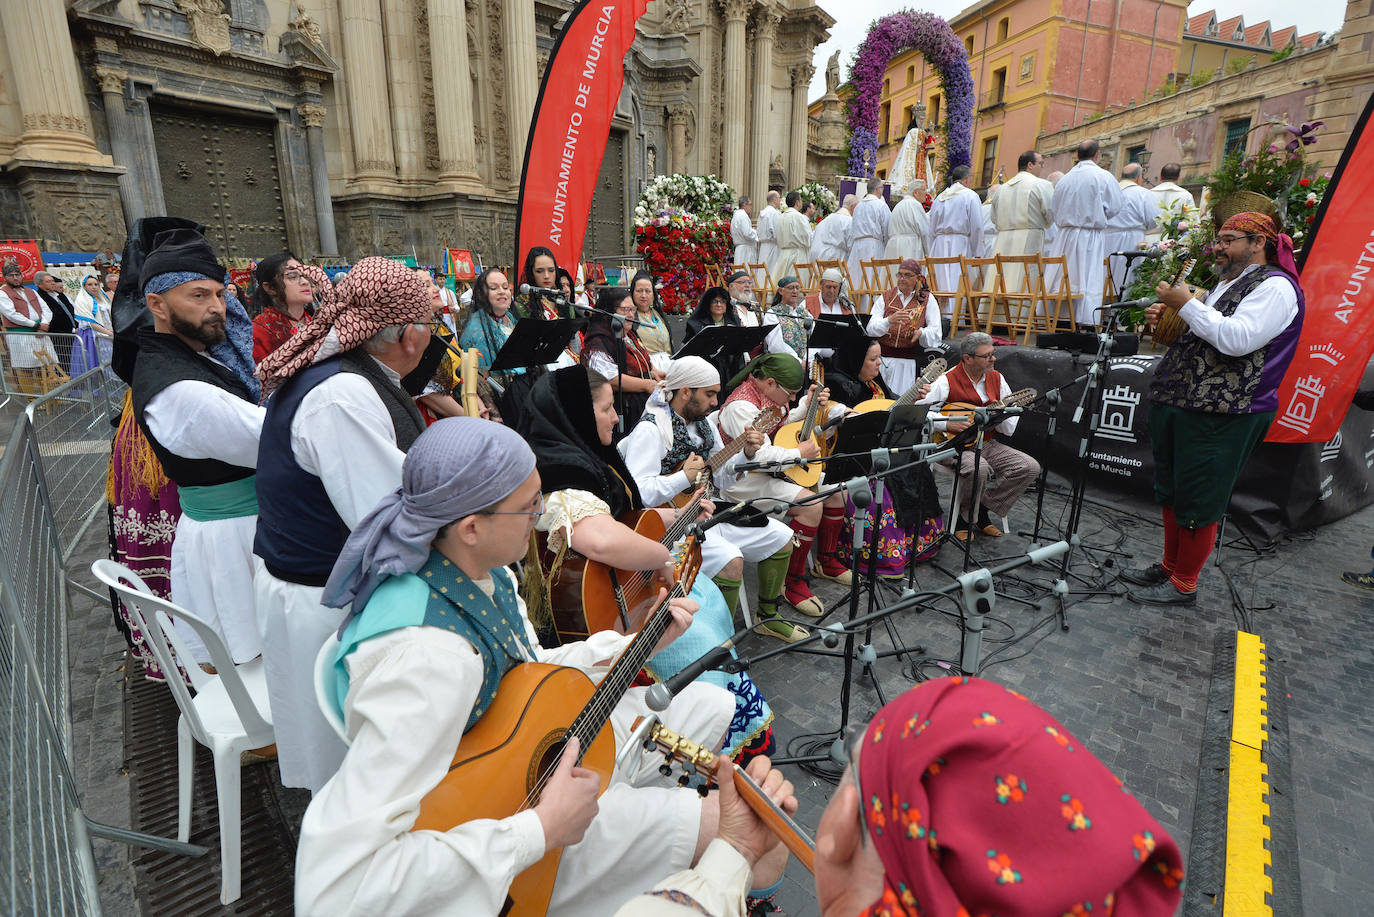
(666, 770)
(703, 791)
(649, 744)
(683, 780)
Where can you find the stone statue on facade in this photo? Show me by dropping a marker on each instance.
(677, 16)
(832, 74)
(308, 28)
(209, 24)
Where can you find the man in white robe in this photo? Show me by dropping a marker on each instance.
(829, 242)
(956, 228)
(768, 232)
(1126, 230)
(793, 232)
(743, 236)
(1168, 193)
(989, 227)
(908, 232)
(1021, 212)
(1084, 200)
(867, 236)
(1050, 231)
(337, 428)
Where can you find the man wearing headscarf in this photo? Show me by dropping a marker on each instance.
(946, 808)
(668, 452)
(203, 423)
(436, 623)
(337, 428)
(1214, 395)
(912, 324)
(772, 381)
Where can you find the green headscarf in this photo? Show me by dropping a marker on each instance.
(783, 367)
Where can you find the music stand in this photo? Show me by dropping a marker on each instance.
(536, 342)
(716, 341)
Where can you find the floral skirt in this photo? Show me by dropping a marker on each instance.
(897, 547)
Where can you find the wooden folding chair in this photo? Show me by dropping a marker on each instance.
(715, 275)
(763, 283)
(843, 268)
(1057, 300)
(882, 273)
(1018, 284)
(809, 276)
(980, 299)
(958, 296)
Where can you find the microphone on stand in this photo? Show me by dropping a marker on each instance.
(661, 694)
(1138, 253)
(556, 295)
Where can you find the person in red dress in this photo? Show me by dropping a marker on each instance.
(284, 293)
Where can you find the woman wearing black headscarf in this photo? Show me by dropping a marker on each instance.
(910, 513)
(714, 309)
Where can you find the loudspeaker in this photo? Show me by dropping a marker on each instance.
(1123, 345)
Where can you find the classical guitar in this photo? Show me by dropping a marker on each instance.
(962, 410)
(504, 761)
(701, 760)
(792, 435)
(766, 418)
(934, 370)
(1169, 327)
(589, 596)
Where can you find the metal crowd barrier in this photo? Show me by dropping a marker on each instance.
(52, 479)
(36, 364)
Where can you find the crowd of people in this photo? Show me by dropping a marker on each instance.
(344, 465)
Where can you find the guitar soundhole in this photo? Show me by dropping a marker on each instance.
(544, 759)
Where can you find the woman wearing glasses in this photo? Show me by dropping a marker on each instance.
(284, 292)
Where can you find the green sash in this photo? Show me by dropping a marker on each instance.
(220, 501)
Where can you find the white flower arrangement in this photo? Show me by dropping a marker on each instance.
(825, 200)
(688, 198)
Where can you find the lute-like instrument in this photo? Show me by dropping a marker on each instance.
(765, 419)
(962, 410)
(1169, 327)
(505, 760)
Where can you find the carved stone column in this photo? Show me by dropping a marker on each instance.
(312, 115)
(453, 115)
(796, 165)
(404, 87)
(112, 83)
(678, 117)
(47, 83)
(522, 61)
(369, 108)
(732, 131)
(765, 27)
(144, 168)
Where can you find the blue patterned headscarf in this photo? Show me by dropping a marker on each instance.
(236, 350)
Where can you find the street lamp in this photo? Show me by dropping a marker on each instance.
(1143, 157)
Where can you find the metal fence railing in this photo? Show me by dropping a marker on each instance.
(52, 475)
(35, 364)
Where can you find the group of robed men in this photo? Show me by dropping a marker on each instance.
(271, 494)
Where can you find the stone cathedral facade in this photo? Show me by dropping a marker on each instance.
(345, 128)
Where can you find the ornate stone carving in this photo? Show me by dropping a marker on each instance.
(677, 16)
(50, 121)
(305, 26)
(679, 115)
(84, 222)
(209, 24)
(374, 165)
(766, 23)
(496, 60)
(312, 114)
(801, 75)
(429, 124)
(736, 9)
(111, 79)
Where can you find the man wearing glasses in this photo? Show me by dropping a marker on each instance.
(1214, 395)
(974, 381)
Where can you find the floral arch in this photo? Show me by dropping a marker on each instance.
(888, 37)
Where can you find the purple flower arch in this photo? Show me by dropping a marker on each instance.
(887, 38)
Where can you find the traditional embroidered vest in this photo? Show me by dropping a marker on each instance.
(793, 331)
(26, 302)
(903, 338)
(1196, 376)
(961, 389)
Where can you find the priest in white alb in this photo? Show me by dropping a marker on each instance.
(1168, 193)
(768, 232)
(829, 243)
(908, 233)
(794, 239)
(1021, 213)
(743, 236)
(1127, 229)
(867, 234)
(956, 229)
(1084, 200)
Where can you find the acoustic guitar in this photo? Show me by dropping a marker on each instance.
(699, 759)
(792, 435)
(763, 421)
(934, 370)
(589, 596)
(505, 760)
(962, 410)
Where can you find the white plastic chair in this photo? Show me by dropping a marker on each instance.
(324, 686)
(229, 712)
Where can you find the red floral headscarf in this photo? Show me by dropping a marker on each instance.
(1254, 223)
(374, 294)
(979, 802)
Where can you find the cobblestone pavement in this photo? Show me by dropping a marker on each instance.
(1130, 682)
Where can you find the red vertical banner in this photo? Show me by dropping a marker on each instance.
(572, 120)
(1337, 273)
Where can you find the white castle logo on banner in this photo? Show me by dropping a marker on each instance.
(1118, 413)
(1332, 450)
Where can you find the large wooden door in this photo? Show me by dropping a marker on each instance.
(221, 170)
(606, 226)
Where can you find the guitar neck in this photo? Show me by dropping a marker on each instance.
(793, 836)
(932, 372)
(717, 462)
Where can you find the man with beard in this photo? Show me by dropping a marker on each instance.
(1214, 395)
(203, 424)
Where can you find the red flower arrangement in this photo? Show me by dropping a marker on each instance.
(677, 251)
